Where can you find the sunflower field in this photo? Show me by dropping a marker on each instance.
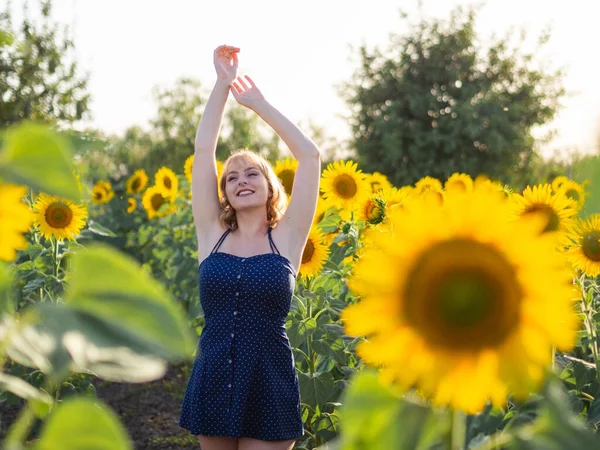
(450, 314)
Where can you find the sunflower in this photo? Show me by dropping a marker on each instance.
(557, 207)
(152, 201)
(322, 207)
(15, 219)
(166, 180)
(483, 180)
(286, 171)
(187, 167)
(344, 185)
(558, 182)
(131, 205)
(454, 310)
(584, 254)
(431, 188)
(102, 192)
(378, 181)
(372, 210)
(574, 191)
(315, 253)
(59, 217)
(460, 181)
(137, 182)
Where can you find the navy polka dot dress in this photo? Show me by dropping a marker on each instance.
(244, 382)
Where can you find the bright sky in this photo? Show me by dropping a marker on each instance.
(298, 51)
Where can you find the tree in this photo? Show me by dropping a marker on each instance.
(439, 104)
(37, 81)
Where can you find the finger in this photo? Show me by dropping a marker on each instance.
(237, 88)
(243, 83)
(235, 60)
(251, 81)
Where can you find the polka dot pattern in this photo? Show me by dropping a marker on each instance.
(244, 382)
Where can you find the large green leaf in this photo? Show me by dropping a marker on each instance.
(316, 389)
(84, 424)
(34, 155)
(373, 417)
(57, 339)
(113, 287)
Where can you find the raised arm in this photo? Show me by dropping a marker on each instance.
(305, 192)
(205, 200)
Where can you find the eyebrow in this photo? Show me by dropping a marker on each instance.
(245, 170)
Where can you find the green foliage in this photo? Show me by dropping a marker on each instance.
(438, 103)
(38, 78)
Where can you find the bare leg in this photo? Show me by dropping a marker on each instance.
(217, 442)
(257, 444)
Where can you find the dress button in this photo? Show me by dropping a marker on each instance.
(235, 313)
(239, 276)
(229, 361)
(229, 385)
(231, 334)
(237, 293)
(243, 259)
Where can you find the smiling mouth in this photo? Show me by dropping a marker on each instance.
(245, 193)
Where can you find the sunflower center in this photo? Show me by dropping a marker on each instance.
(463, 295)
(345, 186)
(135, 185)
(309, 250)
(157, 200)
(287, 179)
(97, 195)
(167, 182)
(572, 194)
(591, 245)
(58, 215)
(551, 216)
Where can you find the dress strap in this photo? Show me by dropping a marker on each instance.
(272, 244)
(221, 239)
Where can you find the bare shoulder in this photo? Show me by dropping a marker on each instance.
(208, 239)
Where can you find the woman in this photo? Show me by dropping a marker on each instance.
(243, 391)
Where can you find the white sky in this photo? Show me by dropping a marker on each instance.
(298, 51)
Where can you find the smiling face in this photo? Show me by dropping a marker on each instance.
(245, 185)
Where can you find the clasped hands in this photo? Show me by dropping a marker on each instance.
(226, 65)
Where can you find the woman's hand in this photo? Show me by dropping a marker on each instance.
(249, 96)
(226, 62)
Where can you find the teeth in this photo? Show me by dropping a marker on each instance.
(244, 193)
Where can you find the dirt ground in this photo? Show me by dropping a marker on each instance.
(149, 411)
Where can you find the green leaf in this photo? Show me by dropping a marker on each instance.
(6, 303)
(315, 389)
(96, 228)
(6, 38)
(374, 418)
(36, 156)
(41, 400)
(113, 287)
(84, 424)
(57, 339)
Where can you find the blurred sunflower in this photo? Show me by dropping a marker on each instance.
(558, 182)
(58, 217)
(187, 167)
(395, 197)
(131, 205)
(574, 191)
(558, 209)
(153, 199)
(460, 181)
(137, 182)
(15, 219)
(378, 181)
(344, 185)
(584, 253)
(430, 187)
(484, 181)
(454, 310)
(166, 180)
(286, 171)
(322, 207)
(102, 192)
(315, 253)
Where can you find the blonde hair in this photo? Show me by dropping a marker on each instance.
(277, 201)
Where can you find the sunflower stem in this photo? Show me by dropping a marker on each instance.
(458, 432)
(55, 245)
